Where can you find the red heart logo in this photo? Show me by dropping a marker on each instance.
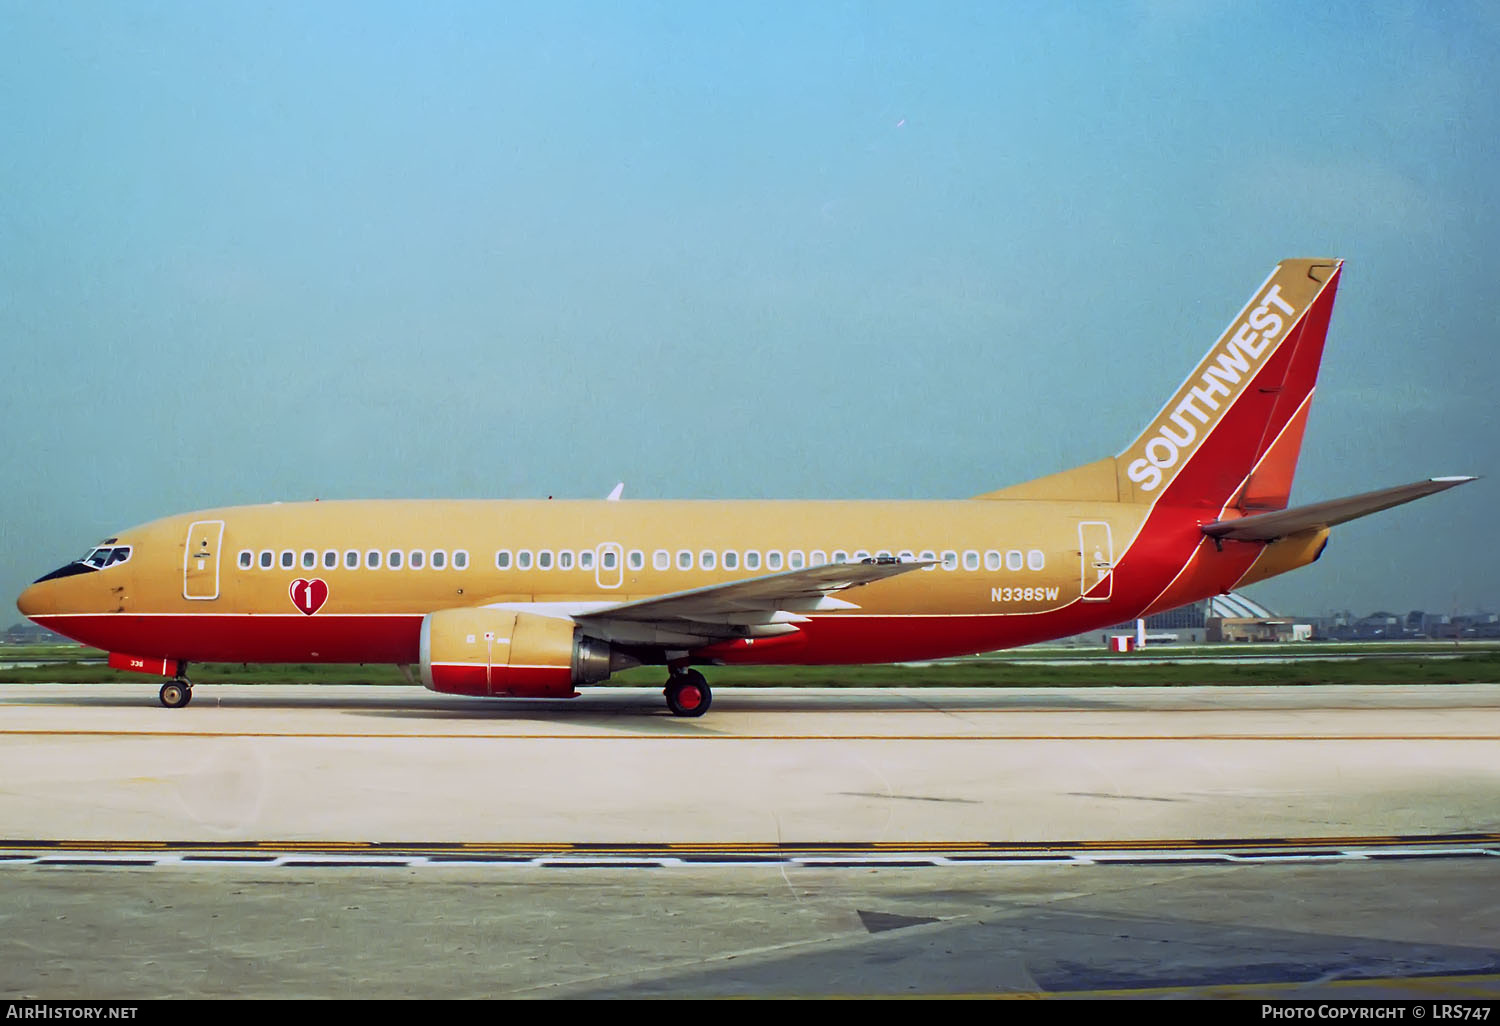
(309, 596)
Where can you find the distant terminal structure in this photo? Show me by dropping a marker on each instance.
(1233, 606)
(1238, 618)
(1233, 617)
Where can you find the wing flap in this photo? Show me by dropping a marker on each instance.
(1270, 526)
(757, 606)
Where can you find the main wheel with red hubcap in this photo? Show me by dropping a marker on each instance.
(688, 694)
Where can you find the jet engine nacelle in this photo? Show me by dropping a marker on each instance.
(503, 652)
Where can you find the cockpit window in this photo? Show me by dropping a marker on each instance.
(106, 555)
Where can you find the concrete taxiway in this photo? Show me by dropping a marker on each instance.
(919, 765)
(1099, 840)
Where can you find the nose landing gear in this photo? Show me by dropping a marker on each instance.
(176, 692)
(688, 694)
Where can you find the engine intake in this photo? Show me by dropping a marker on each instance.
(503, 652)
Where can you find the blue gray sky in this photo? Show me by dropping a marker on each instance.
(259, 251)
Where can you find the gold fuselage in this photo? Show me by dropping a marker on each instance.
(1016, 571)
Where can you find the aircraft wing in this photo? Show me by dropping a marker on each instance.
(763, 606)
(1270, 526)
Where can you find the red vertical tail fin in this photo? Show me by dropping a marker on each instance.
(1231, 433)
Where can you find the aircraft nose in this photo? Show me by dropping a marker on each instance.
(28, 603)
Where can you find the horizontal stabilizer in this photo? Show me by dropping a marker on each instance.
(1270, 526)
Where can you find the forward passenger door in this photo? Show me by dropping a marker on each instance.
(200, 560)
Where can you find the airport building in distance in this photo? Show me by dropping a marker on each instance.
(1238, 618)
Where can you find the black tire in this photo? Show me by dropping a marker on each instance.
(688, 694)
(175, 694)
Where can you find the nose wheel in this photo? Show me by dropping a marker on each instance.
(688, 694)
(176, 693)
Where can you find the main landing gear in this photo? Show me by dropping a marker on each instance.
(688, 694)
(177, 692)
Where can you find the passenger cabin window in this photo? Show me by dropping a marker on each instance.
(330, 559)
(950, 560)
(840, 556)
(523, 559)
(708, 559)
(439, 559)
(636, 560)
(461, 559)
(1036, 559)
(752, 560)
(1014, 560)
(971, 560)
(247, 560)
(586, 559)
(417, 560)
(393, 559)
(309, 559)
(565, 559)
(610, 559)
(861, 556)
(773, 560)
(927, 556)
(992, 560)
(731, 559)
(684, 559)
(906, 556)
(288, 559)
(372, 559)
(661, 559)
(817, 557)
(502, 559)
(795, 560)
(265, 560)
(543, 559)
(351, 560)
